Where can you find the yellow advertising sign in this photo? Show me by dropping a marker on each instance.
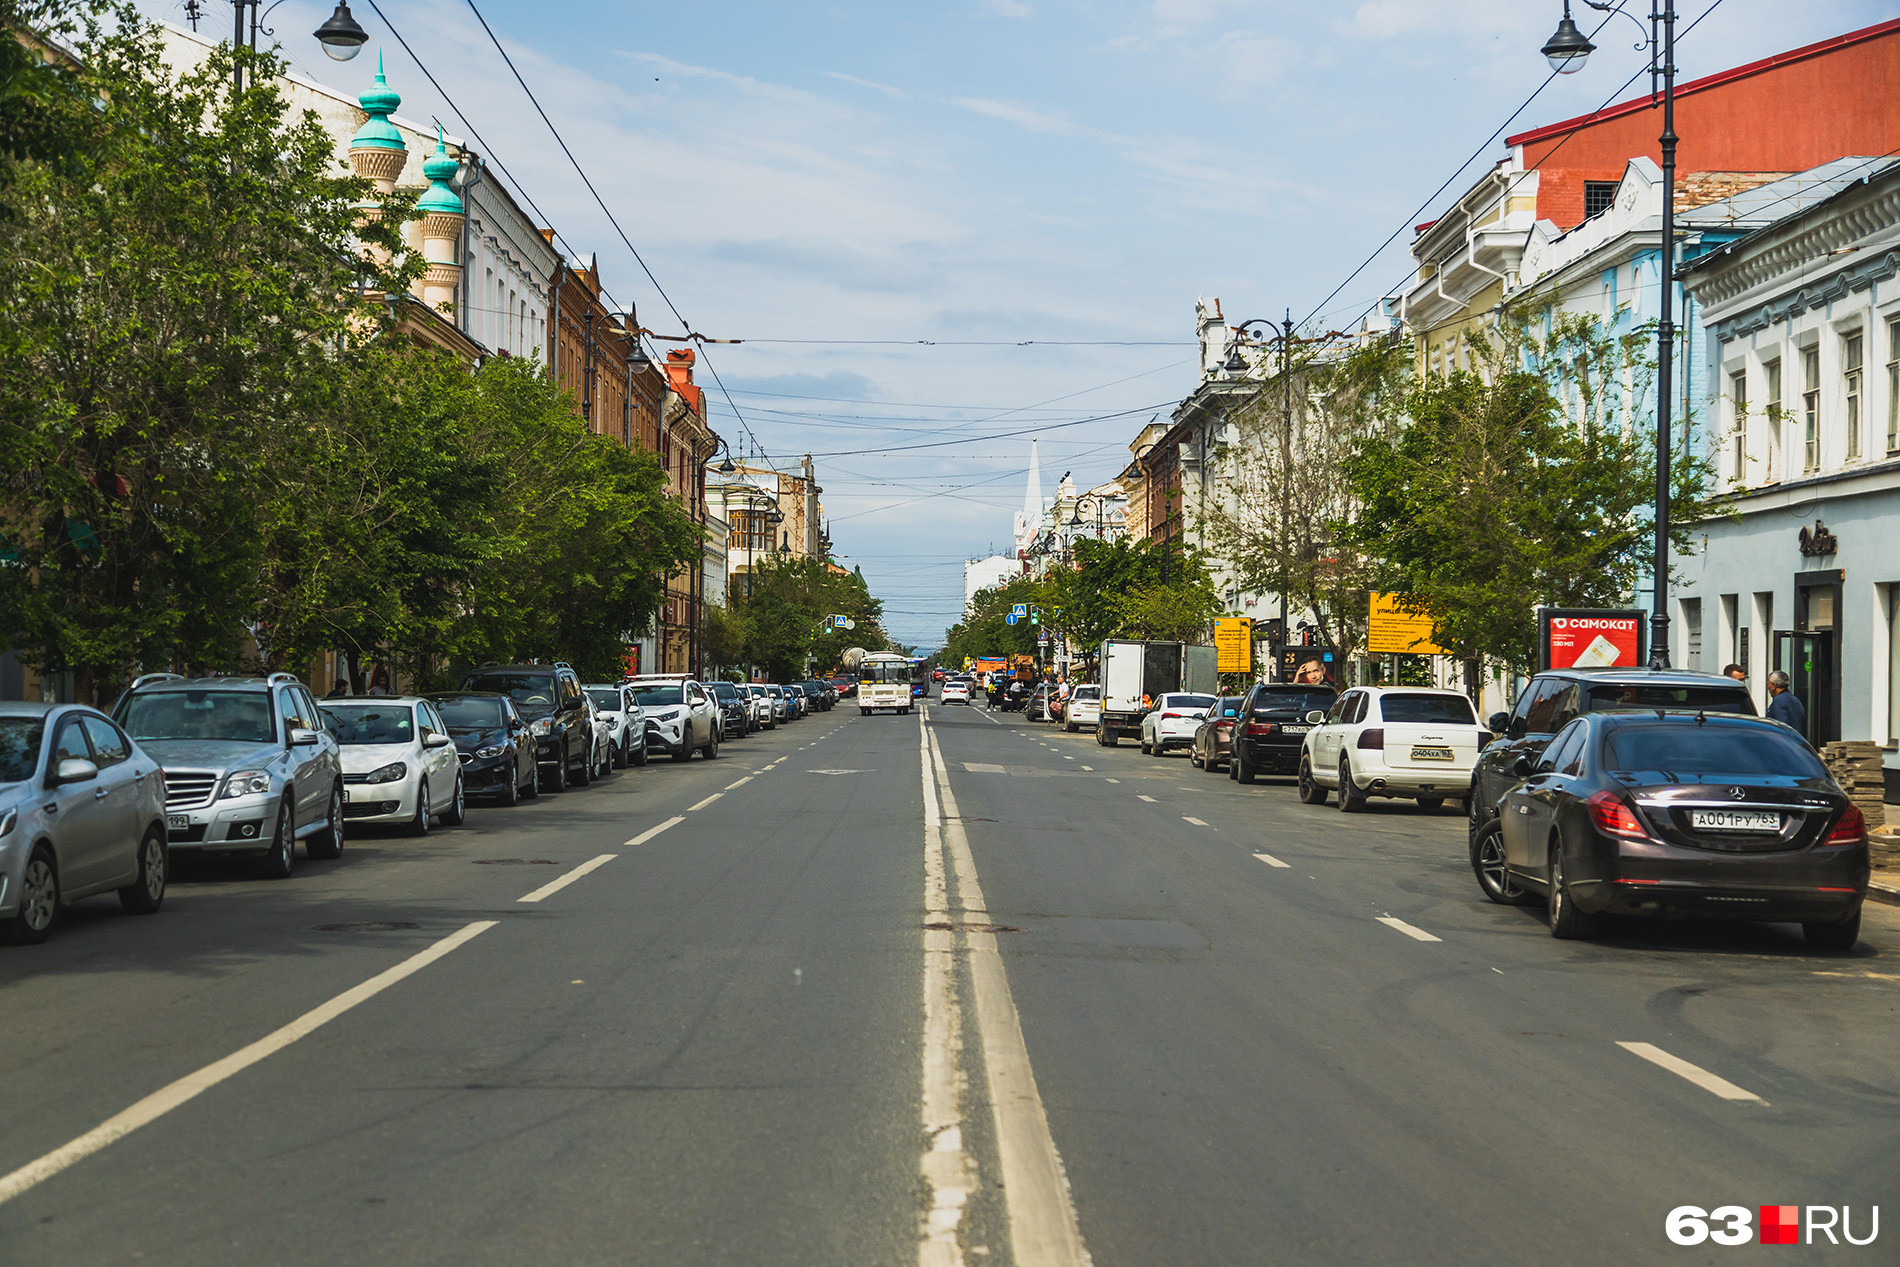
(1391, 630)
(1233, 644)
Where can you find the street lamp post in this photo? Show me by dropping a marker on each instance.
(1283, 332)
(1567, 50)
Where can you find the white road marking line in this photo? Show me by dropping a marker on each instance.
(651, 832)
(1114, 780)
(1197, 822)
(1416, 934)
(741, 783)
(169, 1097)
(1043, 1230)
(703, 804)
(1068, 758)
(1089, 768)
(946, 1169)
(1138, 796)
(1271, 861)
(1694, 1073)
(550, 889)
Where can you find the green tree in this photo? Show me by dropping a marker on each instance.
(785, 604)
(985, 629)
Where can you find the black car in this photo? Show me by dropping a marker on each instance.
(735, 717)
(1550, 701)
(1271, 728)
(1673, 813)
(497, 750)
(821, 694)
(549, 699)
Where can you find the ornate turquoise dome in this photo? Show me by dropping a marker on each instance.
(379, 103)
(440, 169)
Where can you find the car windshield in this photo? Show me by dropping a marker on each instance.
(19, 747)
(1187, 701)
(238, 716)
(1686, 751)
(1088, 692)
(371, 723)
(1300, 702)
(725, 690)
(659, 695)
(1428, 710)
(606, 701)
(1708, 699)
(755, 690)
(533, 693)
(469, 713)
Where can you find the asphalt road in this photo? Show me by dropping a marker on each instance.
(730, 1036)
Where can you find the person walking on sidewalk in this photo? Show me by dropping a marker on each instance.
(1783, 705)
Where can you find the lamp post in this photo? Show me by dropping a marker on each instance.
(1567, 51)
(1283, 332)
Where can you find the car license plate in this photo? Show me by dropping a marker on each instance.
(178, 821)
(1295, 730)
(1431, 754)
(1734, 820)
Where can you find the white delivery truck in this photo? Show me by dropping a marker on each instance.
(1133, 671)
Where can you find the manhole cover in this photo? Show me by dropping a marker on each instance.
(368, 926)
(516, 862)
(944, 926)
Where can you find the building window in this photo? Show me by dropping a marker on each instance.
(1893, 386)
(1692, 634)
(1738, 412)
(1598, 196)
(1771, 375)
(1850, 376)
(1811, 409)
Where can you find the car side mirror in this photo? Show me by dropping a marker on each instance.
(1499, 723)
(1515, 730)
(437, 741)
(300, 738)
(74, 770)
(1314, 717)
(1228, 713)
(1522, 768)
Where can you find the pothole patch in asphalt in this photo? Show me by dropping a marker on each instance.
(368, 926)
(516, 862)
(946, 926)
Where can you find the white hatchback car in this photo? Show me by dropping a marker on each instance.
(1172, 721)
(1083, 709)
(399, 763)
(1415, 743)
(955, 691)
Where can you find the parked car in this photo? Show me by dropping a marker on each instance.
(1413, 742)
(1272, 728)
(495, 746)
(626, 722)
(601, 750)
(549, 698)
(249, 766)
(1172, 721)
(955, 691)
(400, 764)
(82, 811)
(681, 716)
(735, 710)
(1214, 738)
(783, 710)
(764, 707)
(844, 687)
(1085, 708)
(1037, 709)
(796, 698)
(820, 694)
(1659, 813)
(1550, 701)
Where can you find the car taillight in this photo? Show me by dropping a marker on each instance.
(1851, 830)
(1171, 716)
(1373, 738)
(1611, 815)
(1260, 727)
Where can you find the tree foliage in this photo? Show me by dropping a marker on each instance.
(784, 605)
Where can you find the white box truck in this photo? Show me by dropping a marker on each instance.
(1133, 671)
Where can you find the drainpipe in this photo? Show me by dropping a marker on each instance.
(464, 301)
(554, 322)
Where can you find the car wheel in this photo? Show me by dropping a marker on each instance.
(640, 757)
(1832, 936)
(1311, 793)
(419, 825)
(146, 893)
(328, 843)
(585, 775)
(458, 806)
(1566, 920)
(1431, 802)
(39, 901)
(1069, 727)
(1107, 738)
(534, 781)
(276, 864)
(711, 750)
(1233, 765)
(1351, 799)
(1237, 762)
(1475, 817)
(1194, 758)
(1487, 863)
(511, 794)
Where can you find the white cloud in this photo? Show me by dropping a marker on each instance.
(886, 89)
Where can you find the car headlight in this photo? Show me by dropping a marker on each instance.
(388, 774)
(7, 819)
(484, 753)
(245, 783)
(542, 727)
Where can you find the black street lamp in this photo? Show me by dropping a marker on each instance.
(1569, 47)
(341, 37)
(1283, 331)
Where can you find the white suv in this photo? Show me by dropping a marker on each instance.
(681, 715)
(1083, 709)
(626, 722)
(1416, 743)
(1172, 721)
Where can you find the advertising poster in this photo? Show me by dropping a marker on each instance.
(1391, 630)
(1233, 644)
(1308, 666)
(1584, 638)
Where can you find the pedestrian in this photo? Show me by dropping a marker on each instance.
(1737, 672)
(379, 681)
(1783, 705)
(341, 690)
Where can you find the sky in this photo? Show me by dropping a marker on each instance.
(939, 224)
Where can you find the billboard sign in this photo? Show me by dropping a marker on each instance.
(1233, 644)
(1308, 666)
(1392, 630)
(1590, 638)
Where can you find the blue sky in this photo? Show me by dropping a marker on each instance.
(993, 171)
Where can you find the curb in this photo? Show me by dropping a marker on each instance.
(1886, 893)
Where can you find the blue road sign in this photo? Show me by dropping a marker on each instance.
(1011, 619)
(1021, 609)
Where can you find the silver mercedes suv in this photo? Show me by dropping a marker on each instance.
(249, 766)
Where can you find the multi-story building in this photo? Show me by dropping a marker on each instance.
(767, 512)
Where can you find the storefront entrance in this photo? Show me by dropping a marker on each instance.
(1808, 654)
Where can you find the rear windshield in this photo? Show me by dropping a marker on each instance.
(1429, 710)
(659, 696)
(607, 701)
(1088, 692)
(1187, 701)
(1685, 751)
(470, 713)
(1709, 699)
(19, 747)
(1301, 702)
(240, 716)
(370, 723)
(533, 693)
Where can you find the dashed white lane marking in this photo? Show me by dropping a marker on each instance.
(167, 1098)
(548, 890)
(703, 804)
(1089, 768)
(1114, 780)
(1068, 758)
(741, 783)
(1138, 796)
(651, 832)
(1197, 822)
(1270, 860)
(1416, 934)
(1694, 1073)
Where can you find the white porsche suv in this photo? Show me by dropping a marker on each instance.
(1415, 743)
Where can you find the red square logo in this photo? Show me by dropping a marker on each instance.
(1781, 1225)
